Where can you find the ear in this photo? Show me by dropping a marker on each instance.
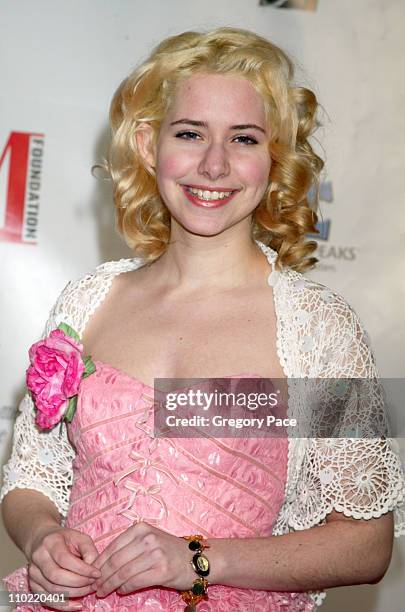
(145, 143)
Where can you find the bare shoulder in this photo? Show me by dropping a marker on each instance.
(121, 288)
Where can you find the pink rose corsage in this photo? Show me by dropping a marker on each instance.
(53, 378)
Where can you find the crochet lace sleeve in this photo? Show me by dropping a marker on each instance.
(355, 467)
(43, 460)
(40, 460)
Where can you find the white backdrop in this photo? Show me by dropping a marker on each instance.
(60, 63)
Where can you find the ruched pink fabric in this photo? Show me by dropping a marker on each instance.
(218, 487)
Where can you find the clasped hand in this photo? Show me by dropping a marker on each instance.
(142, 556)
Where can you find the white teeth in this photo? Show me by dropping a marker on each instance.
(209, 195)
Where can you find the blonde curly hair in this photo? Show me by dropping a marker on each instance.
(284, 215)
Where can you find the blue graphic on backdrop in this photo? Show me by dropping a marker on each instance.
(328, 253)
(323, 226)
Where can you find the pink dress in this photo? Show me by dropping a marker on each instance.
(218, 487)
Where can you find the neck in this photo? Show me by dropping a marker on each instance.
(225, 261)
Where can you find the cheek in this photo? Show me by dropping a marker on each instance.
(256, 171)
(172, 165)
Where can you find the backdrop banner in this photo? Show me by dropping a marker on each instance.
(57, 220)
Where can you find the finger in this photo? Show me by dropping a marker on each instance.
(88, 552)
(58, 577)
(76, 566)
(67, 606)
(65, 551)
(132, 573)
(123, 556)
(117, 544)
(50, 586)
(83, 552)
(133, 534)
(143, 580)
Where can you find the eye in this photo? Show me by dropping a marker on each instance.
(244, 139)
(187, 135)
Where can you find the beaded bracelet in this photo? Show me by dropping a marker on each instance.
(201, 566)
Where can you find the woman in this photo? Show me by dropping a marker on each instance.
(210, 162)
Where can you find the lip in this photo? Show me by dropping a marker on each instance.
(205, 188)
(203, 203)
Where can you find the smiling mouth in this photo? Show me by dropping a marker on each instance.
(208, 195)
(208, 198)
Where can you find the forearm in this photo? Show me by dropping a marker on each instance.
(27, 513)
(336, 554)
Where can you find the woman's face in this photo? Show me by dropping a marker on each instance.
(212, 158)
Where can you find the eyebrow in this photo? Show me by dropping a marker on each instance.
(242, 126)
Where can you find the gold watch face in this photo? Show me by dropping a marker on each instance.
(202, 563)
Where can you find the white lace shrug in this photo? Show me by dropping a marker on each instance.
(319, 336)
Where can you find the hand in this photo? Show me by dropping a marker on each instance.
(144, 556)
(60, 561)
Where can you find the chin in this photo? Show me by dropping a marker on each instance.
(197, 230)
(202, 227)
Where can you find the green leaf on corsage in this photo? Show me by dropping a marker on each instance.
(69, 331)
(71, 409)
(90, 367)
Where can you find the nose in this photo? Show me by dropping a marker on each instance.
(214, 163)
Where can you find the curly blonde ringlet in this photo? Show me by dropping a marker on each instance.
(284, 215)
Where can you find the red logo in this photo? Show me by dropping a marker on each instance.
(20, 183)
